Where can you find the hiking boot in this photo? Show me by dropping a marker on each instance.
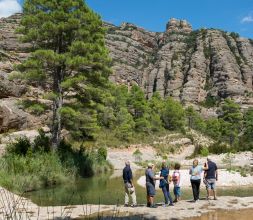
(126, 205)
(153, 206)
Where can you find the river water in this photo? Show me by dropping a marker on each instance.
(246, 214)
(105, 190)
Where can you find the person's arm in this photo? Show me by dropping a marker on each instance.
(190, 171)
(205, 167)
(216, 173)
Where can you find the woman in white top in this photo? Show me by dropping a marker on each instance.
(195, 172)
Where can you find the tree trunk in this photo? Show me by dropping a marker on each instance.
(58, 101)
(56, 124)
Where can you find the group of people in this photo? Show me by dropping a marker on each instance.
(209, 179)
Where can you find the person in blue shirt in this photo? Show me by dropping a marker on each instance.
(164, 184)
(195, 172)
(129, 186)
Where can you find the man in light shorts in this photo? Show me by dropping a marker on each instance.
(211, 178)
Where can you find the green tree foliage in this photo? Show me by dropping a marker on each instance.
(195, 121)
(248, 124)
(138, 106)
(231, 120)
(68, 54)
(173, 115)
(213, 128)
(125, 125)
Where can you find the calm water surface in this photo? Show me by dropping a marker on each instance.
(246, 214)
(105, 190)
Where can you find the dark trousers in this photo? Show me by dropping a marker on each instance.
(166, 193)
(195, 188)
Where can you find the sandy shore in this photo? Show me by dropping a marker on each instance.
(225, 178)
(17, 207)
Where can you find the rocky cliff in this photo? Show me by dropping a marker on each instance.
(191, 66)
(196, 67)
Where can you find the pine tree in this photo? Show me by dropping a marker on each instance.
(68, 53)
(173, 115)
(231, 120)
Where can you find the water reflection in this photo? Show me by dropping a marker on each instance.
(105, 190)
(226, 215)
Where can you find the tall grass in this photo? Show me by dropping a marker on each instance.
(30, 166)
(26, 173)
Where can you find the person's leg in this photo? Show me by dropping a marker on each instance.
(214, 190)
(133, 195)
(151, 199)
(126, 195)
(148, 200)
(197, 187)
(165, 193)
(194, 189)
(178, 193)
(175, 194)
(209, 190)
(169, 196)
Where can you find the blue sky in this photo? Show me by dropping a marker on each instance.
(229, 15)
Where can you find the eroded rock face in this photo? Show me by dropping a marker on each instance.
(188, 65)
(11, 117)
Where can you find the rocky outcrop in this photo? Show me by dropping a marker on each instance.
(193, 67)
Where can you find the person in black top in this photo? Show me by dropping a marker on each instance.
(211, 177)
(129, 186)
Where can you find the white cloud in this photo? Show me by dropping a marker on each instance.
(9, 7)
(247, 19)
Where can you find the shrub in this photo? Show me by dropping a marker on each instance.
(33, 106)
(204, 151)
(102, 154)
(41, 142)
(137, 155)
(219, 148)
(32, 172)
(20, 147)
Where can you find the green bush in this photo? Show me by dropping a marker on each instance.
(20, 147)
(204, 151)
(102, 154)
(33, 106)
(41, 142)
(32, 172)
(219, 148)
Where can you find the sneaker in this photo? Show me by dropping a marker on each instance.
(171, 204)
(134, 205)
(153, 206)
(164, 205)
(126, 205)
(215, 198)
(148, 204)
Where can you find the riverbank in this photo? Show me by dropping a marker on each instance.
(225, 179)
(12, 204)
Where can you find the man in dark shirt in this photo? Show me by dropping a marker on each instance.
(211, 177)
(129, 187)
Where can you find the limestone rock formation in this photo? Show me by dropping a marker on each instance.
(192, 66)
